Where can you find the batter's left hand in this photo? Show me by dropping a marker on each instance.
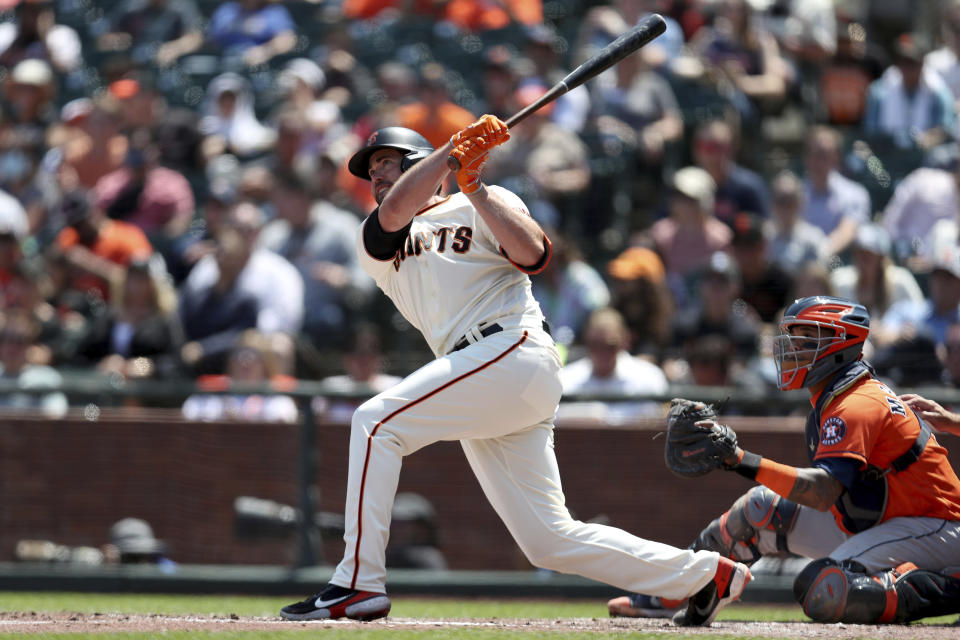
(472, 155)
(490, 130)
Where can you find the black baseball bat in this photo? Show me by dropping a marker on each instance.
(646, 30)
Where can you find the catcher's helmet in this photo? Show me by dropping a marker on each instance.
(842, 327)
(413, 145)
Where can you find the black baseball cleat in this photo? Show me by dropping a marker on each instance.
(339, 602)
(727, 585)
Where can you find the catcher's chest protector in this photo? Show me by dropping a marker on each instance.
(861, 506)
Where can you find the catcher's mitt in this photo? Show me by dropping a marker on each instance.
(693, 450)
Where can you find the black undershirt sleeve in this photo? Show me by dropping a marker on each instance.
(381, 244)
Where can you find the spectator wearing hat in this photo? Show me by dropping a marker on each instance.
(229, 121)
(794, 242)
(154, 31)
(718, 310)
(639, 291)
(873, 279)
(925, 198)
(766, 287)
(434, 114)
(908, 104)
(691, 233)
(714, 149)
(138, 103)
(35, 33)
(87, 142)
(832, 202)
(907, 319)
(29, 91)
(568, 290)
(609, 369)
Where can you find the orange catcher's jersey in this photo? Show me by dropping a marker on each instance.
(868, 424)
(451, 276)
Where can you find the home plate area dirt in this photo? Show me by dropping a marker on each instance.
(47, 623)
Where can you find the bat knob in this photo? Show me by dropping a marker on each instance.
(453, 164)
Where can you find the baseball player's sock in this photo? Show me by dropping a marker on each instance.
(339, 602)
(727, 585)
(639, 605)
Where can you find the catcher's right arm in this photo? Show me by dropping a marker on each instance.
(696, 443)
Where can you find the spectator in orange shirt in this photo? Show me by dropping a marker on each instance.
(435, 115)
(478, 15)
(97, 249)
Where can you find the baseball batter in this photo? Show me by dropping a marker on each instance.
(456, 266)
(878, 509)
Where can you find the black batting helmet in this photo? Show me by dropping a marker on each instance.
(413, 145)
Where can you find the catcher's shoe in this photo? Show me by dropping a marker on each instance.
(339, 602)
(640, 605)
(727, 585)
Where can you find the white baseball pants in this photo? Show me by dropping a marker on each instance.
(498, 397)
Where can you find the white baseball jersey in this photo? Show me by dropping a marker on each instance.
(450, 276)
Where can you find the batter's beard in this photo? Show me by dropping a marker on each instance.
(379, 193)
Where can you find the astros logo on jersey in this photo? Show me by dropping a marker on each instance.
(833, 430)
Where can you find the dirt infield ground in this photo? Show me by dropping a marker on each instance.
(32, 622)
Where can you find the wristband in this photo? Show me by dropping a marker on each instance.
(779, 478)
(748, 465)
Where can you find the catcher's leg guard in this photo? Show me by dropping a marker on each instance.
(734, 534)
(831, 591)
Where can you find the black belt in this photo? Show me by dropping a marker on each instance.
(486, 332)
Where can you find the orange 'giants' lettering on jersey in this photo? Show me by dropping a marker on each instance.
(419, 242)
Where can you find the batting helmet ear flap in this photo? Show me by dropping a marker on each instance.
(413, 157)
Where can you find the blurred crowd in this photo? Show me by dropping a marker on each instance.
(174, 200)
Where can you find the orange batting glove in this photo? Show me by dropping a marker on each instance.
(472, 155)
(491, 130)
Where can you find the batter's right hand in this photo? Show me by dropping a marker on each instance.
(471, 156)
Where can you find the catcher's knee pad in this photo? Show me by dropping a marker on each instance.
(758, 509)
(831, 591)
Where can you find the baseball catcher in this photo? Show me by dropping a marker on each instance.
(877, 510)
